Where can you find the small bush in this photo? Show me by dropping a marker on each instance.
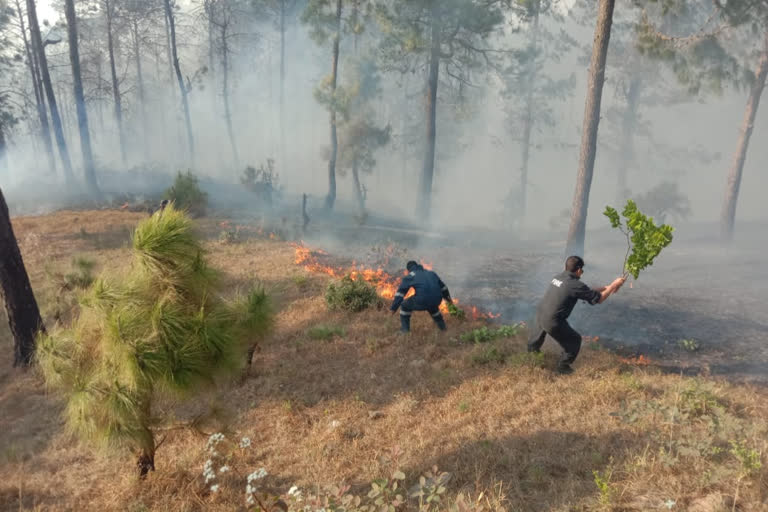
(689, 345)
(456, 312)
(489, 354)
(262, 181)
(186, 195)
(325, 332)
(351, 295)
(484, 334)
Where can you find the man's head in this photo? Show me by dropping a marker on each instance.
(411, 266)
(575, 265)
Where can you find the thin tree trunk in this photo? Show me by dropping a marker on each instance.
(577, 230)
(331, 198)
(42, 114)
(528, 119)
(282, 83)
(20, 304)
(628, 128)
(3, 151)
(425, 186)
(180, 78)
(728, 214)
(358, 187)
(109, 12)
(37, 44)
(142, 95)
(82, 115)
(225, 90)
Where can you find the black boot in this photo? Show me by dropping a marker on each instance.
(405, 322)
(440, 321)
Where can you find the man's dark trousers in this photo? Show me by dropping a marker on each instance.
(562, 333)
(410, 305)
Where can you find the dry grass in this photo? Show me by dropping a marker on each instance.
(527, 439)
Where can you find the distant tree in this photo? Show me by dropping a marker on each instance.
(183, 87)
(530, 92)
(325, 19)
(20, 304)
(664, 200)
(82, 113)
(454, 33)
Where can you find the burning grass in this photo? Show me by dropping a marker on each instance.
(367, 402)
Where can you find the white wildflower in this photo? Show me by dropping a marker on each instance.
(670, 503)
(295, 492)
(214, 440)
(208, 471)
(224, 469)
(257, 475)
(250, 500)
(215, 488)
(245, 442)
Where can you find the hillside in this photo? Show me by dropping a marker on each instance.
(335, 398)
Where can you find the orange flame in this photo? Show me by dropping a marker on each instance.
(640, 360)
(386, 284)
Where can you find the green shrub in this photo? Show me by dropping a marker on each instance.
(186, 195)
(325, 332)
(488, 354)
(351, 295)
(159, 331)
(484, 334)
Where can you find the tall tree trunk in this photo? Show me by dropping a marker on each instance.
(628, 128)
(37, 45)
(45, 130)
(728, 214)
(225, 90)
(3, 151)
(20, 305)
(82, 115)
(140, 83)
(282, 83)
(358, 187)
(577, 230)
(528, 119)
(331, 197)
(109, 12)
(179, 78)
(425, 186)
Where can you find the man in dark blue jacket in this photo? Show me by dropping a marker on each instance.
(430, 292)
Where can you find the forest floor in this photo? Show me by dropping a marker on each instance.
(619, 434)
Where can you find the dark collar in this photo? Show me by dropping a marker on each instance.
(571, 274)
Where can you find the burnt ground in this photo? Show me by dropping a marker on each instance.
(697, 289)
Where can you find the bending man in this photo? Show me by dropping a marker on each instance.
(430, 292)
(555, 307)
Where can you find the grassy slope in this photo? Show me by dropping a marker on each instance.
(525, 438)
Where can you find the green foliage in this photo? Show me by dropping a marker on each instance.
(689, 345)
(351, 295)
(325, 332)
(160, 330)
(645, 240)
(187, 195)
(484, 334)
(488, 354)
(603, 483)
(456, 312)
(749, 458)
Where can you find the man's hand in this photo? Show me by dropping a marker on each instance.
(618, 283)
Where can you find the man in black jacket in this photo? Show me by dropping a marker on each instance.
(430, 292)
(555, 307)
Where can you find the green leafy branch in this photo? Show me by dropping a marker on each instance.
(645, 240)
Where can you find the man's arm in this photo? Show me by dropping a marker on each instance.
(607, 291)
(444, 291)
(405, 285)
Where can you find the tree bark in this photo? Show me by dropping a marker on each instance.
(358, 187)
(82, 115)
(109, 13)
(628, 128)
(179, 78)
(225, 91)
(577, 230)
(331, 197)
(37, 44)
(45, 130)
(140, 83)
(3, 151)
(425, 186)
(528, 119)
(728, 214)
(20, 305)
